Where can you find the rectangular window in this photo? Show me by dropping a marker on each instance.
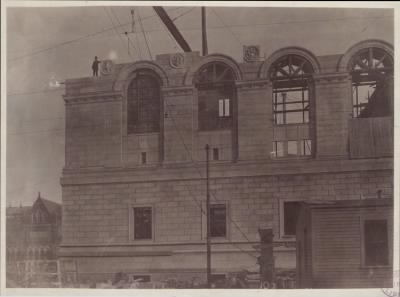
(143, 225)
(291, 148)
(144, 157)
(278, 149)
(376, 246)
(218, 220)
(223, 108)
(215, 154)
(305, 147)
(290, 215)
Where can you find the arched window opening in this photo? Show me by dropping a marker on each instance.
(291, 77)
(144, 104)
(372, 83)
(216, 93)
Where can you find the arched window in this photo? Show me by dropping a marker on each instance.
(291, 77)
(144, 104)
(372, 80)
(216, 93)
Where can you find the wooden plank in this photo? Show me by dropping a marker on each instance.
(371, 137)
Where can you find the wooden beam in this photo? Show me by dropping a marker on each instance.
(172, 28)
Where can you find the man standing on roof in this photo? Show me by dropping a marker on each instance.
(95, 66)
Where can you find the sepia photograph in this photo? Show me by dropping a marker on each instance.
(199, 146)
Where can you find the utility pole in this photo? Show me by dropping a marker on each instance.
(204, 30)
(208, 217)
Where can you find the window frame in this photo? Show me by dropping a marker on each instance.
(300, 143)
(301, 79)
(131, 222)
(370, 73)
(282, 234)
(389, 230)
(227, 221)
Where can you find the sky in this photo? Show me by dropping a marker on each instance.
(49, 45)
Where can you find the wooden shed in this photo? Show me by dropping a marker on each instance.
(345, 244)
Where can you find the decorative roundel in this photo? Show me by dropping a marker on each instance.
(251, 53)
(177, 61)
(106, 67)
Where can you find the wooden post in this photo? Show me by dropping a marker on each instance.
(208, 217)
(204, 30)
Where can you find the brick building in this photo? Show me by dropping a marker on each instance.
(288, 128)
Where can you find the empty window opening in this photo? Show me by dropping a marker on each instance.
(143, 156)
(291, 148)
(215, 154)
(218, 220)
(372, 83)
(291, 106)
(143, 223)
(376, 246)
(291, 78)
(290, 215)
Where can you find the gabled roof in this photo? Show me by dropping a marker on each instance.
(52, 207)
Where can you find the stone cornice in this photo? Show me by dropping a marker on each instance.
(252, 84)
(329, 78)
(177, 91)
(92, 97)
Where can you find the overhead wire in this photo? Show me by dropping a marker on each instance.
(41, 50)
(225, 26)
(116, 32)
(212, 194)
(129, 41)
(183, 29)
(183, 14)
(145, 37)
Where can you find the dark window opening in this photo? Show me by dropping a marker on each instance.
(376, 242)
(216, 93)
(218, 220)
(215, 154)
(144, 104)
(290, 216)
(372, 81)
(143, 223)
(143, 157)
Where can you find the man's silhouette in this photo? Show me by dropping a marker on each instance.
(95, 67)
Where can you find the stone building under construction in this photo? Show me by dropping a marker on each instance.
(289, 128)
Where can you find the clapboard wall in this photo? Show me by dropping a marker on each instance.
(336, 244)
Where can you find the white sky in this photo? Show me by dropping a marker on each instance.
(35, 112)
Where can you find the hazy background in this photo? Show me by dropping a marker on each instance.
(46, 45)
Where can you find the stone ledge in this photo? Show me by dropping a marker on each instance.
(196, 171)
(92, 97)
